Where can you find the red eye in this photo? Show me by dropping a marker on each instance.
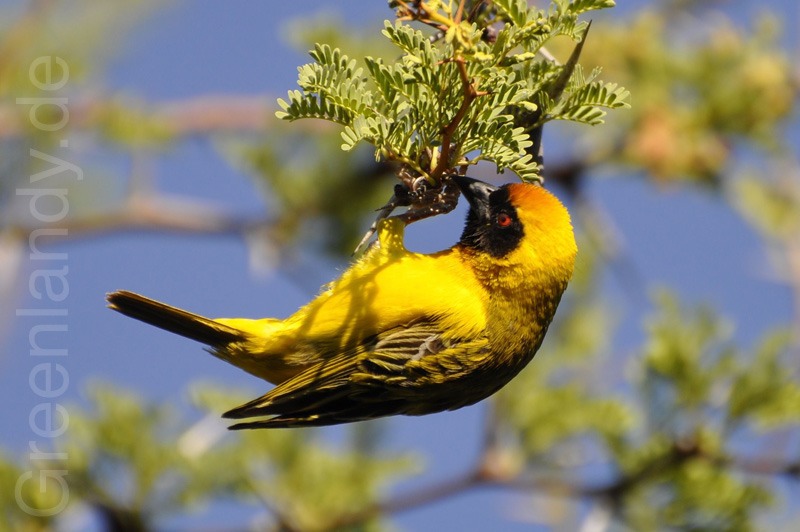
(504, 220)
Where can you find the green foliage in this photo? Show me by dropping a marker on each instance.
(697, 390)
(671, 444)
(73, 31)
(453, 101)
(701, 90)
(772, 205)
(16, 492)
(765, 394)
(681, 369)
(697, 495)
(692, 371)
(292, 472)
(586, 99)
(137, 462)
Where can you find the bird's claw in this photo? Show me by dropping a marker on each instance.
(422, 200)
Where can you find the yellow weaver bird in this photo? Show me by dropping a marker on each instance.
(402, 332)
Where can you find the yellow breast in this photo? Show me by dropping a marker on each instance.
(389, 287)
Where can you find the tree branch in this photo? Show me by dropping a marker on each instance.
(484, 474)
(151, 213)
(470, 93)
(199, 115)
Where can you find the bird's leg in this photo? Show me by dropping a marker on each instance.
(394, 202)
(422, 200)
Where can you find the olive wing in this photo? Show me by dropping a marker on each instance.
(391, 373)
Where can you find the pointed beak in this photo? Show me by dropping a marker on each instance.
(477, 194)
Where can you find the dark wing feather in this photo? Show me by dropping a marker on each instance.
(383, 376)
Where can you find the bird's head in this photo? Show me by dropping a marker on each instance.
(518, 225)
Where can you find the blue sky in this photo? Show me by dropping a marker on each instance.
(683, 239)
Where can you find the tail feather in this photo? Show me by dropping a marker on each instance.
(172, 319)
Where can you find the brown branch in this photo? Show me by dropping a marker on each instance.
(459, 12)
(472, 479)
(764, 466)
(157, 214)
(449, 130)
(213, 113)
(426, 495)
(427, 16)
(436, 492)
(199, 115)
